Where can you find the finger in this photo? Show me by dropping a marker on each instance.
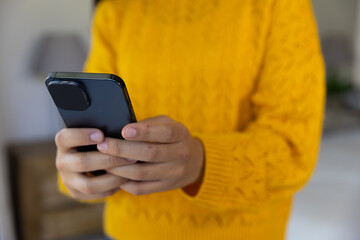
(142, 188)
(85, 197)
(92, 185)
(69, 138)
(90, 161)
(159, 119)
(155, 132)
(145, 171)
(147, 152)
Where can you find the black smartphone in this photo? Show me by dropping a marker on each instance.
(91, 100)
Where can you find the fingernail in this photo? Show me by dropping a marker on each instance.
(96, 136)
(130, 132)
(102, 146)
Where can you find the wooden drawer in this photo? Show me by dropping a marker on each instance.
(70, 222)
(42, 212)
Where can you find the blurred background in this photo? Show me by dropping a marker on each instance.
(33, 32)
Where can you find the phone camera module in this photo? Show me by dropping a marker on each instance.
(69, 95)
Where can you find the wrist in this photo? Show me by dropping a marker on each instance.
(200, 159)
(193, 188)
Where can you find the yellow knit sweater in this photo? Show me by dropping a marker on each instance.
(247, 78)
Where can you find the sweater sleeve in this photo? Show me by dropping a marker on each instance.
(101, 56)
(275, 154)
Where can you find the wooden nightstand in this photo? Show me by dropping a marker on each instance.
(42, 212)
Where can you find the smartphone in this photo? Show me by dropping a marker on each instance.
(91, 100)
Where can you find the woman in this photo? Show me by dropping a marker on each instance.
(230, 95)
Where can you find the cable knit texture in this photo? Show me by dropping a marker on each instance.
(247, 78)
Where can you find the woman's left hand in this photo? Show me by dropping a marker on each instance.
(171, 157)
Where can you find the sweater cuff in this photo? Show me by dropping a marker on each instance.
(217, 173)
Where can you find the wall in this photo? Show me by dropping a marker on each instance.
(26, 111)
(357, 49)
(336, 17)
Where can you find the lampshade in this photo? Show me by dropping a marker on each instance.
(58, 52)
(336, 50)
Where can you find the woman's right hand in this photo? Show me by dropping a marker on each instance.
(72, 164)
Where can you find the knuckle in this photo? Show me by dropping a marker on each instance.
(87, 187)
(113, 161)
(80, 163)
(139, 174)
(122, 181)
(75, 195)
(116, 181)
(170, 133)
(184, 153)
(67, 183)
(136, 190)
(176, 171)
(153, 152)
(180, 171)
(184, 130)
(146, 132)
(165, 118)
(59, 137)
(59, 163)
(114, 148)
